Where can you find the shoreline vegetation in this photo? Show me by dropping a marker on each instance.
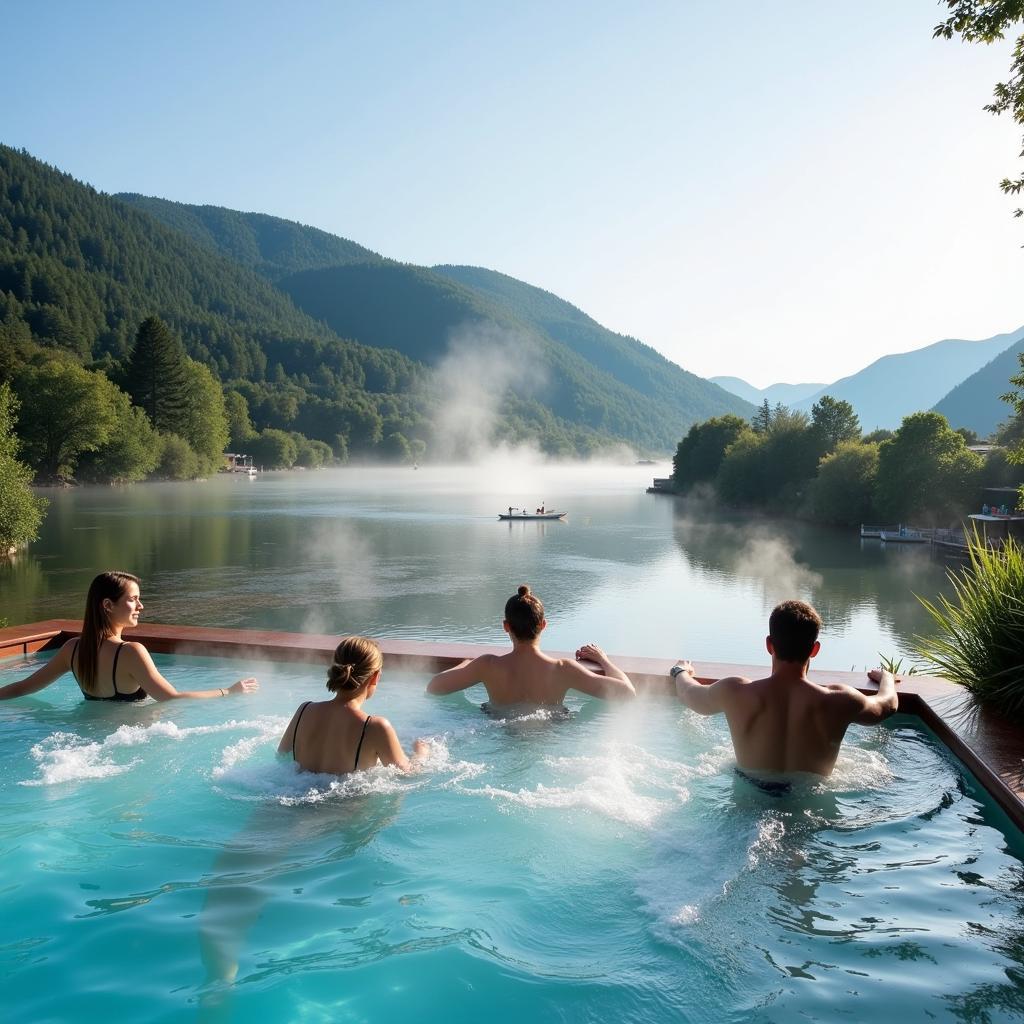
(820, 468)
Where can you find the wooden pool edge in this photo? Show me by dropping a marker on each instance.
(989, 746)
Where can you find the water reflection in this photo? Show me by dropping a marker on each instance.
(423, 556)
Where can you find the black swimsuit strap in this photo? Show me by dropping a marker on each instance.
(295, 731)
(113, 670)
(74, 651)
(362, 736)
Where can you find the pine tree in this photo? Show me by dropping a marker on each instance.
(157, 376)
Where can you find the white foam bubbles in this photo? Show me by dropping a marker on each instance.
(67, 757)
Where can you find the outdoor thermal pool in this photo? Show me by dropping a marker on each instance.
(609, 867)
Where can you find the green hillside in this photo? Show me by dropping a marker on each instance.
(420, 313)
(974, 403)
(595, 378)
(80, 270)
(629, 361)
(270, 245)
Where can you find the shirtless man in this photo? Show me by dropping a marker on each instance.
(527, 676)
(786, 723)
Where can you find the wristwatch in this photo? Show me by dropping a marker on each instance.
(676, 670)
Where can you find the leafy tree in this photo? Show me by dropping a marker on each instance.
(843, 491)
(925, 472)
(157, 376)
(395, 447)
(1011, 433)
(66, 411)
(878, 436)
(239, 425)
(771, 470)
(273, 449)
(311, 454)
(177, 460)
(131, 451)
(204, 421)
(984, 21)
(699, 455)
(834, 421)
(21, 511)
(969, 436)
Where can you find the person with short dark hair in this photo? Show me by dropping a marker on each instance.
(785, 723)
(526, 678)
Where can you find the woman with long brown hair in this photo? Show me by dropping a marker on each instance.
(104, 664)
(336, 736)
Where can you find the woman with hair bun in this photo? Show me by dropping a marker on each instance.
(336, 736)
(105, 665)
(528, 676)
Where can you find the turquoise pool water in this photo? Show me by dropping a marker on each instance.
(610, 867)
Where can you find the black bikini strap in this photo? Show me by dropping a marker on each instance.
(362, 736)
(295, 731)
(113, 670)
(74, 651)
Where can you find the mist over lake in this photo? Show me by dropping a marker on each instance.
(420, 554)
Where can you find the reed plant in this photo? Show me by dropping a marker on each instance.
(979, 638)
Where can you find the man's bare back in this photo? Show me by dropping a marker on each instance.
(785, 722)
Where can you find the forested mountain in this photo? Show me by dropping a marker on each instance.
(421, 313)
(787, 394)
(80, 271)
(605, 381)
(897, 385)
(974, 403)
(317, 335)
(627, 360)
(270, 245)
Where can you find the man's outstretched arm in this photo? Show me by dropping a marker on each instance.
(879, 706)
(705, 700)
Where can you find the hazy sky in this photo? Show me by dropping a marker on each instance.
(780, 191)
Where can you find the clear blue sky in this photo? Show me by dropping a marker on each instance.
(780, 191)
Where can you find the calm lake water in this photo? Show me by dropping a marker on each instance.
(421, 555)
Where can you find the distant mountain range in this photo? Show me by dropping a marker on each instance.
(961, 379)
(787, 394)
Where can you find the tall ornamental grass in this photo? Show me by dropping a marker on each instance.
(979, 641)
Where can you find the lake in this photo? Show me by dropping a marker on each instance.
(420, 554)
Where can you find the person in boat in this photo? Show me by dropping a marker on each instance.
(527, 676)
(337, 736)
(104, 664)
(785, 723)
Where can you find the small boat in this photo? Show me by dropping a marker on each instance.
(523, 516)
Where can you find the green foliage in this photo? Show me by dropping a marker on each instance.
(130, 452)
(925, 472)
(834, 421)
(66, 411)
(699, 455)
(177, 460)
(843, 491)
(984, 21)
(878, 436)
(980, 631)
(20, 511)
(157, 376)
(239, 424)
(205, 421)
(312, 454)
(273, 449)
(761, 421)
(895, 666)
(771, 469)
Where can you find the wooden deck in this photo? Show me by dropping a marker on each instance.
(990, 747)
